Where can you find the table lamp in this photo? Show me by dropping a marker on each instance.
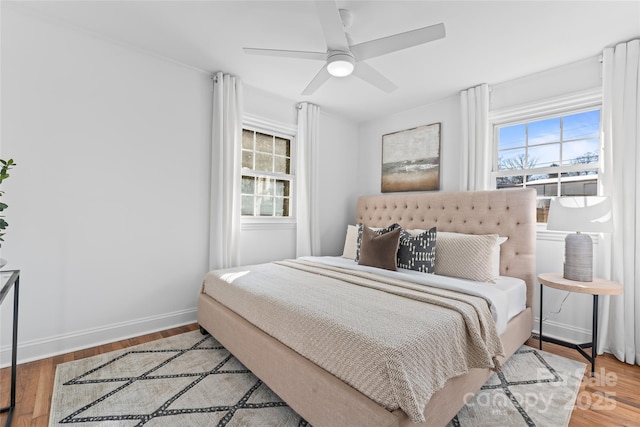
(580, 214)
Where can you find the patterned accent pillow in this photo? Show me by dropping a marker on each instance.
(380, 232)
(417, 252)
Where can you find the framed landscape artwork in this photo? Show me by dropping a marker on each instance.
(411, 159)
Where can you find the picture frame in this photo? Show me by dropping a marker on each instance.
(411, 159)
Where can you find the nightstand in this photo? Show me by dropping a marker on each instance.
(596, 287)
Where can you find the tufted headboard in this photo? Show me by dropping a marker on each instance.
(510, 213)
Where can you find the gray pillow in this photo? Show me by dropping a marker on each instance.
(379, 250)
(418, 252)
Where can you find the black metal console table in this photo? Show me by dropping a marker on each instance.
(11, 279)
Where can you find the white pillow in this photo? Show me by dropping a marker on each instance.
(496, 256)
(350, 242)
(468, 256)
(415, 232)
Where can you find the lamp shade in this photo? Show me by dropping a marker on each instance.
(583, 214)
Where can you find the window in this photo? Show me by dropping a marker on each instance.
(558, 156)
(266, 174)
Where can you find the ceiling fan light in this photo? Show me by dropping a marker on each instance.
(340, 64)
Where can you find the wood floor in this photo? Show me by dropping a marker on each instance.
(610, 398)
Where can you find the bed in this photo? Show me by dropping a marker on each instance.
(320, 396)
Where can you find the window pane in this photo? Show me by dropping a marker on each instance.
(281, 164)
(557, 144)
(248, 185)
(545, 185)
(282, 206)
(265, 205)
(247, 205)
(580, 152)
(543, 156)
(264, 143)
(579, 185)
(509, 182)
(542, 210)
(247, 139)
(247, 159)
(266, 174)
(264, 162)
(512, 159)
(544, 131)
(512, 136)
(282, 147)
(264, 186)
(581, 126)
(282, 187)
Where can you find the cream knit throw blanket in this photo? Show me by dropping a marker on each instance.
(395, 341)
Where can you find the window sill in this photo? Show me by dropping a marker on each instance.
(558, 236)
(256, 224)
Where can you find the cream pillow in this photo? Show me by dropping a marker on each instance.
(350, 242)
(467, 256)
(495, 257)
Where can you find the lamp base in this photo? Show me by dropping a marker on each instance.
(578, 257)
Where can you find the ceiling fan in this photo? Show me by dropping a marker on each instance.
(343, 58)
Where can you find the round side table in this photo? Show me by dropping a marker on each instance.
(596, 287)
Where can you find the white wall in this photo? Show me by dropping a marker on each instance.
(446, 112)
(339, 157)
(571, 78)
(108, 206)
(574, 321)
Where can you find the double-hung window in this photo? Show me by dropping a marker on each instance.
(556, 155)
(267, 178)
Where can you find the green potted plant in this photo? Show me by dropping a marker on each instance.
(7, 165)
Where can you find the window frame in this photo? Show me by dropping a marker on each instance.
(280, 130)
(551, 108)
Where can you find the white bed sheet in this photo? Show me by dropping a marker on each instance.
(507, 297)
(516, 290)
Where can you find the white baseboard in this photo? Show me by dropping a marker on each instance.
(55, 345)
(563, 332)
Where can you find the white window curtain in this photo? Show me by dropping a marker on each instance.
(226, 140)
(307, 182)
(476, 143)
(620, 180)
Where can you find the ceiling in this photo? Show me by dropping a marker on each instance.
(486, 42)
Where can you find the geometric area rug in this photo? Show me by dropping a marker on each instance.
(534, 388)
(192, 380)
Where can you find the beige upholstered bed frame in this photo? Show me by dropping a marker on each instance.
(323, 399)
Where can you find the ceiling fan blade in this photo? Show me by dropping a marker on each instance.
(320, 78)
(389, 44)
(369, 74)
(332, 25)
(322, 56)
